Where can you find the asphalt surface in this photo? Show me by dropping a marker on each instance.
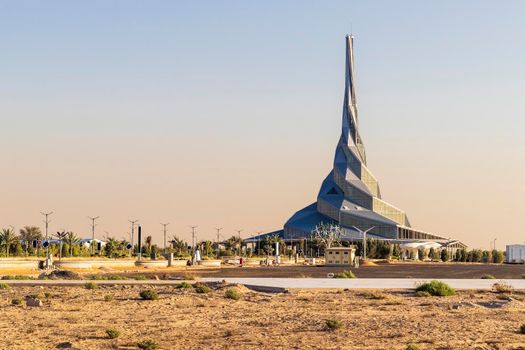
(301, 283)
(383, 270)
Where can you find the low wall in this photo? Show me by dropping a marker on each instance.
(215, 263)
(93, 263)
(13, 264)
(179, 262)
(152, 263)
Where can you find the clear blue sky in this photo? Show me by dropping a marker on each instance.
(175, 111)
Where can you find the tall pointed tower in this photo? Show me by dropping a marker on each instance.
(350, 194)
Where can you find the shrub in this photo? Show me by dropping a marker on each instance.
(522, 328)
(117, 277)
(16, 301)
(184, 285)
(436, 288)
(40, 296)
(4, 286)
(140, 278)
(233, 293)
(147, 345)
(109, 297)
(98, 278)
(487, 277)
(422, 294)
(48, 295)
(373, 295)
(502, 288)
(412, 347)
(333, 325)
(112, 333)
(149, 294)
(201, 288)
(17, 277)
(91, 285)
(345, 274)
(188, 277)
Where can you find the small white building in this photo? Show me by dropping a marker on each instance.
(516, 253)
(336, 256)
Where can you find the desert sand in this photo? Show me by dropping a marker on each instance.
(76, 318)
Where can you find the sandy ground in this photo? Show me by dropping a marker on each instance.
(183, 319)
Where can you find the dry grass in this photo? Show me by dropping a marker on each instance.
(184, 319)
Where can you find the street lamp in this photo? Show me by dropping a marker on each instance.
(364, 238)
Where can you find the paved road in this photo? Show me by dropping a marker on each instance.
(368, 283)
(306, 283)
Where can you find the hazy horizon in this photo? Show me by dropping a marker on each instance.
(227, 115)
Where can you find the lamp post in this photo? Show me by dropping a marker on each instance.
(218, 239)
(93, 233)
(165, 225)
(193, 260)
(46, 221)
(364, 238)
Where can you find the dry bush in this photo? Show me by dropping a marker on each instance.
(112, 333)
(502, 287)
(333, 325)
(149, 294)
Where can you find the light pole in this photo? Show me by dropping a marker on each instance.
(93, 233)
(133, 222)
(364, 238)
(218, 240)
(46, 221)
(259, 243)
(193, 244)
(240, 241)
(165, 225)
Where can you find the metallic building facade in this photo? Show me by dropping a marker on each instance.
(350, 195)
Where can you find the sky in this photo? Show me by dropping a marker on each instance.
(227, 113)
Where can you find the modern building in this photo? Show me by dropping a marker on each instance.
(515, 254)
(350, 194)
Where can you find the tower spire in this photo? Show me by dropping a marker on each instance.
(350, 122)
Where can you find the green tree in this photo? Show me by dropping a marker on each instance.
(61, 237)
(206, 247)
(487, 256)
(422, 254)
(8, 237)
(233, 243)
(464, 255)
(180, 247)
(476, 255)
(396, 251)
(444, 255)
(498, 256)
(28, 234)
(267, 245)
(71, 239)
(112, 248)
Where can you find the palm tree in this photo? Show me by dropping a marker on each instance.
(233, 243)
(148, 242)
(29, 234)
(179, 246)
(113, 247)
(206, 247)
(8, 237)
(71, 239)
(61, 236)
